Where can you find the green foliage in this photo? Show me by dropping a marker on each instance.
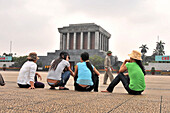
(153, 69)
(159, 49)
(4, 65)
(145, 63)
(97, 61)
(19, 61)
(5, 54)
(144, 49)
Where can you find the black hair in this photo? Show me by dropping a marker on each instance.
(63, 55)
(31, 60)
(85, 56)
(139, 62)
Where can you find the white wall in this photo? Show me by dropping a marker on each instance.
(158, 66)
(7, 64)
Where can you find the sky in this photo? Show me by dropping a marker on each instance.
(32, 25)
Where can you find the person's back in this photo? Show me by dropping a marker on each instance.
(27, 77)
(136, 75)
(27, 72)
(83, 71)
(56, 74)
(84, 74)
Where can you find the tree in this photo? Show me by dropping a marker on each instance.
(155, 52)
(159, 49)
(160, 45)
(19, 61)
(5, 54)
(143, 49)
(97, 61)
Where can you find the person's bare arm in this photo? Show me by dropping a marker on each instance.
(96, 71)
(72, 73)
(39, 76)
(126, 74)
(76, 70)
(123, 67)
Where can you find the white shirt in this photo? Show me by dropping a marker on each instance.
(56, 74)
(27, 72)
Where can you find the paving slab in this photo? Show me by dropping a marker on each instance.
(156, 98)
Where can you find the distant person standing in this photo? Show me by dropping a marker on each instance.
(27, 75)
(108, 68)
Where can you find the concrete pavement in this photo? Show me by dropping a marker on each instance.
(155, 99)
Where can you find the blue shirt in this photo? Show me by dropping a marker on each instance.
(84, 74)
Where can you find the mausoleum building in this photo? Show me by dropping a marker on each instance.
(78, 38)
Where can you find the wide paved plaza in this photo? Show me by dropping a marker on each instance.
(155, 99)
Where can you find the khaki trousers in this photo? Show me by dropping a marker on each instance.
(107, 74)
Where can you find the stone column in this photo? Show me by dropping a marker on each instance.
(104, 43)
(88, 40)
(81, 40)
(108, 44)
(68, 40)
(64, 38)
(74, 43)
(61, 41)
(97, 40)
(101, 41)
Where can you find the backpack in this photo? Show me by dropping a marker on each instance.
(2, 83)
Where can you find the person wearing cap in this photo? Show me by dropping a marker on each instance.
(133, 81)
(27, 75)
(59, 72)
(108, 68)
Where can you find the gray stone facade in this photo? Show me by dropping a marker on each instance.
(84, 36)
(78, 38)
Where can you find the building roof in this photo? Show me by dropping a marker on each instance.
(83, 27)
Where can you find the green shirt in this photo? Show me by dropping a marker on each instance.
(136, 75)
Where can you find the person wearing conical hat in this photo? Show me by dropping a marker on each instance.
(133, 81)
(27, 75)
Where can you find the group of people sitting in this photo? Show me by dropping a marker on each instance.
(85, 74)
